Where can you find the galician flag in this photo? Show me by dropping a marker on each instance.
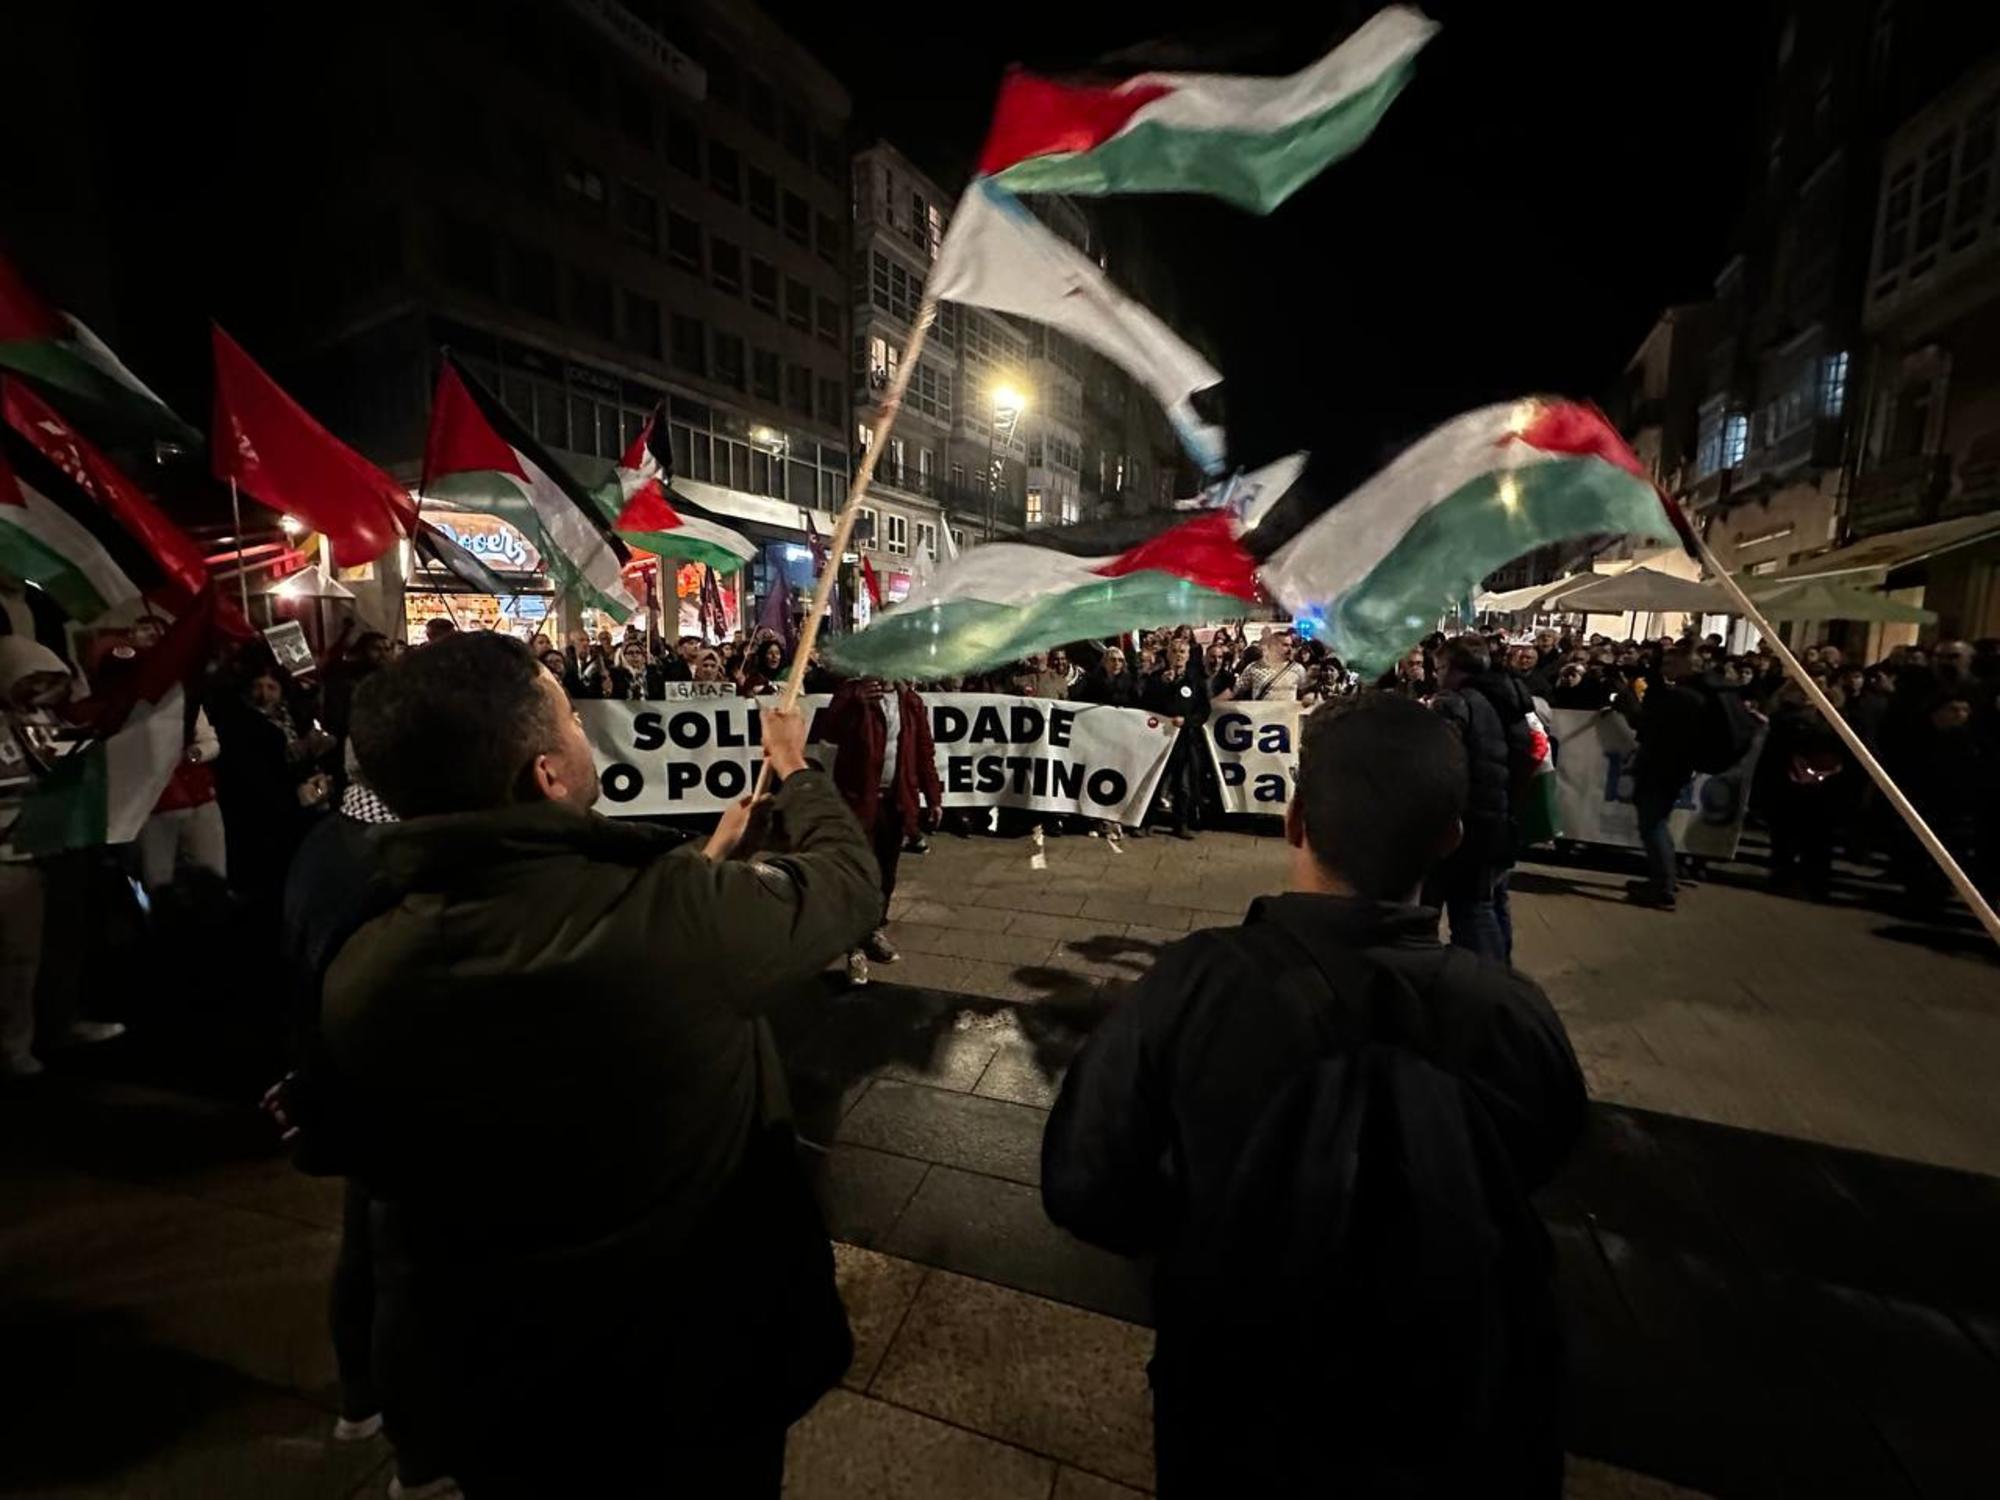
(636, 502)
(480, 457)
(1252, 141)
(103, 790)
(1377, 567)
(57, 352)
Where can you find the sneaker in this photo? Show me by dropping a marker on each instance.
(857, 967)
(1139, 831)
(1185, 834)
(918, 845)
(879, 948)
(84, 1033)
(359, 1431)
(1640, 894)
(27, 1065)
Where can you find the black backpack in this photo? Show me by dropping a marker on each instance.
(1377, 1255)
(1728, 728)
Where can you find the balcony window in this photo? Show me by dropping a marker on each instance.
(1735, 440)
(1833, 384)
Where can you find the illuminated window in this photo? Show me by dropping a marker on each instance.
(1833, 385)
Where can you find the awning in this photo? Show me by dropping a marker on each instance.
(1649, 592)
(1824, 599)
(1514, 601)
(1870, 562)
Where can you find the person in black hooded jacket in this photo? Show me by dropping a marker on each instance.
(1372, 1320)
(1471, 885)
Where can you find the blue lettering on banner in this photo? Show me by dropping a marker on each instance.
(1232, 732)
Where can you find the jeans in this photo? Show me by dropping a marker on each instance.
(1654, 803)
(193, 831)
(1473, 905)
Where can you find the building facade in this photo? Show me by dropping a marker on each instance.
(657, 213)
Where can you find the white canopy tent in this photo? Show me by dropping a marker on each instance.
(1645, 591)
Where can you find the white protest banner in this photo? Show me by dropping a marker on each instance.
(692, 753)
(1594, 755)
(1254, 748)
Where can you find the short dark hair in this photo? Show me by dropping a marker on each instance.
(1465, 653)
(1382, 786)
(452, 726)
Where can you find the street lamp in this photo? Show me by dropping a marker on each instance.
(1008, 404)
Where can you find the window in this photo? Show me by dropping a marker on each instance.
(684, 241)
(1067, 515)
(829, 322)
(827, 158)
(864, 435)
(725, 79)
(1932, 187)
(590, 302)
(639, 325)
(763, 285)
(1735, 440)
(798, 136)
(927, 538)
(957, 483)
(683, 145)
(465, 254)
(826, 237)
(831, 402)
(1975, 174)
(690, 344)
(798, 305)
(930, 392)
(530, 159)
(764, 375)
(798, 219)
(760, 104)
(926, 465)
(1894, 246)
(729, 361)
(894, 289)
(957, 540)
(1034, 514)
(925, 225)
(864, 526)
(583, 189)
(799, 389)
(531, 280)
(1833, 384)
(764, 196)
(899, 534)
(892, 461)
(725, 171)
(725, 265)
(639, 217)
(635, 113)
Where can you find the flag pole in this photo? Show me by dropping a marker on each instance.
(1838, 723)
(836, 546)
(242, 567)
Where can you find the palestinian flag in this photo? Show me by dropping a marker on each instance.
(72, 524)
(58, 353)
(1000, 602)
(1251, 141)
(1474, 494)
(637, 503)
(1539, 818)
(103, 790)
(479, 457)
(1376, 568)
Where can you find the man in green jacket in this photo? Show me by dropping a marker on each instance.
(601, 1256)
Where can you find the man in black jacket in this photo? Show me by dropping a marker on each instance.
(1325, 1125)
(564, 1100)
(1179, 692)
(1672, 717)
(1471, 883)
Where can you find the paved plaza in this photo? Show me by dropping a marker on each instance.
(1774, 1246)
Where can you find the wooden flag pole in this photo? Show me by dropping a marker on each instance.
(1838, 722)
(242, 567)
(836, 545)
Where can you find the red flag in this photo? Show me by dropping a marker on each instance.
(269, 444)
(868, 581)
(184, 572)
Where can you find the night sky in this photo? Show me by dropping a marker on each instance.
(1553, 177)
(1555, 174)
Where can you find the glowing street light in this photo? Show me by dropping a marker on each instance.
(293, 525)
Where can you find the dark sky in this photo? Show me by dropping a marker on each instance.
(1556, 173)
